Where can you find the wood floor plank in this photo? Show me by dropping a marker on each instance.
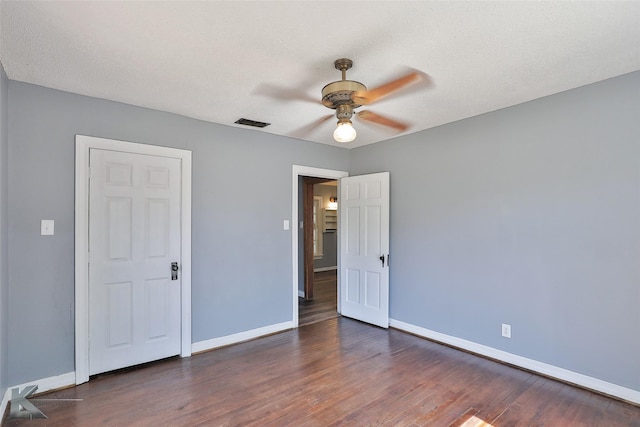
(324, 304)
(337, 372)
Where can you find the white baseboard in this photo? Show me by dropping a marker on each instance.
(44, 384)
(319, 269)
(581, 380)
(240, 337)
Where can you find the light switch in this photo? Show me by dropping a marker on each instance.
(46, 227)
(285, 224)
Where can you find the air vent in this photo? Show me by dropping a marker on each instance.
(253, 123)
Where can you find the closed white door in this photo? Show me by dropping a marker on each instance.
(134, 237)
(364, 248)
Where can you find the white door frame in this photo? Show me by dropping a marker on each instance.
(83, 145)
(299, 171)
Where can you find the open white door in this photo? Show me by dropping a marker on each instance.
(364, 248)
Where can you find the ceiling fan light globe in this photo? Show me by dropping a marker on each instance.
(344, 132)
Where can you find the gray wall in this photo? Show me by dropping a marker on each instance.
(529, 216)
(329, 251)
(241, 255)
(4, 272)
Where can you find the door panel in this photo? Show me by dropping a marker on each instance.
(157, 235)
(120, 304)
(352, 230)
(352, 284)
(373, 221)
(134, 236)
(364, 237)
(119, 229)
(157, 305)
(373, 290)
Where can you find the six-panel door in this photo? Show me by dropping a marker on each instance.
(134, 236)
(364, 223)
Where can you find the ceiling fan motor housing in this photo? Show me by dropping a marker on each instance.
(340, 92)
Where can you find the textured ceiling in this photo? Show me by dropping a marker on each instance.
(268, 60)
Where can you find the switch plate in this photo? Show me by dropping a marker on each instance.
(285, 224)
(506, 330)
(46, 227)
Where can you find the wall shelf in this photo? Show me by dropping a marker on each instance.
(330, 220)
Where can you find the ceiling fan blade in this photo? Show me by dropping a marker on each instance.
(370, 96)
(284, 93)
(306, 130)
(381, 120)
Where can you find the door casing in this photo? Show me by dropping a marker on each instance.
(83, 145)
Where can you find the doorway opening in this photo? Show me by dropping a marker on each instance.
(318, 299)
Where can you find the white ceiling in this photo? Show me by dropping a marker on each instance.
(265, 60)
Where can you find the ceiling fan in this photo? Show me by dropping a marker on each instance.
(346, 95)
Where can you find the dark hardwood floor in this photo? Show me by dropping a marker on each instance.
(337, 372)
(323, 306)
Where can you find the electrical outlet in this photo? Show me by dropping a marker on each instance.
(506, 330)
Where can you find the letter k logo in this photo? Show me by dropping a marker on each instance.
(21, 407)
